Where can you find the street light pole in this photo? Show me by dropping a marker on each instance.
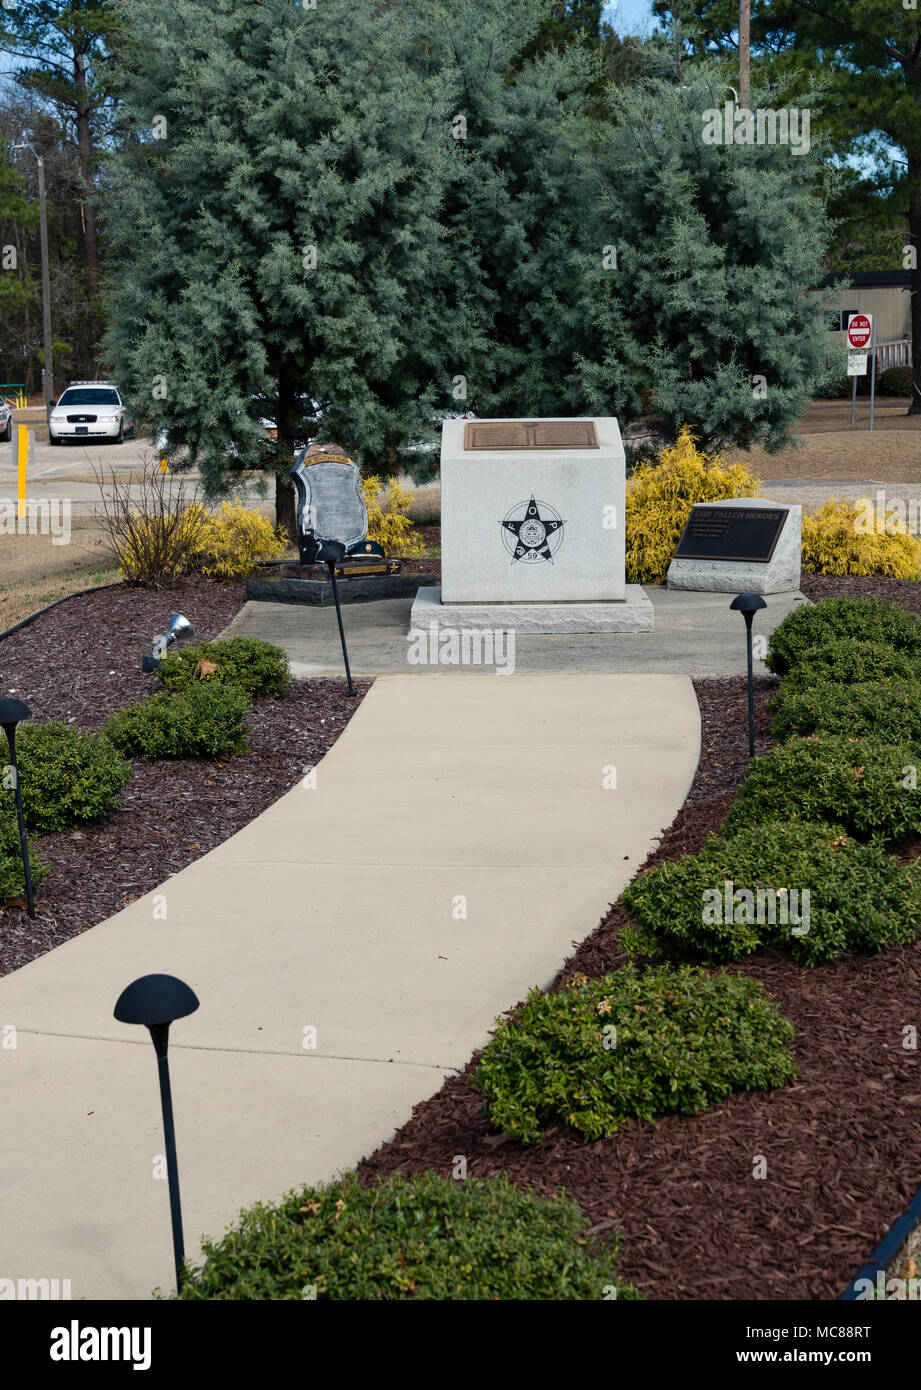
(46, 280)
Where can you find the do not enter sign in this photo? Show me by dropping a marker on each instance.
(859, 330)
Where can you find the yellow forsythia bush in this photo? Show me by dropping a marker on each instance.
(159, 547)
(234, 541)
(843, 539)
(389, 524)
(660, 497)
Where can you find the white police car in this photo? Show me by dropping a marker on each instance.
(89, 410)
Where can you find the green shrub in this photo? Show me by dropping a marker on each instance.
(257, 668)
(894, 381)
(631, 1043)
(200, 723)
(890, 713)
(12, 878)
(850, 619)
(863, 786)
(421, 1237)
(860, 897)
(67, 776)
(850, 663)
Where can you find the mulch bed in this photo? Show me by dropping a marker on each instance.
(81, 662)
(904, 591)
(841, 1143)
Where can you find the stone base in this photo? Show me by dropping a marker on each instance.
(319, 592)
(733, 577)
(634, 613)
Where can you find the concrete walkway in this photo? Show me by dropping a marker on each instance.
(695, 634)
(458, 840)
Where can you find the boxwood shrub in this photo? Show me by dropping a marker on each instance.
(864, 786)
(67, 776)
(202, 722)
(12, 878)
(257, 668)
(890, 713)
(422, 1237)
(860, 897)
(631, 1043)
(843, 619)
(848, 663)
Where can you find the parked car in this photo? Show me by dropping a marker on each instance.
(6, 420)
(89, 410)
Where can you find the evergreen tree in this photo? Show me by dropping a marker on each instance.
(868, 53)
(61, 51)
(716, 246)
(391, 215)
(276, 224)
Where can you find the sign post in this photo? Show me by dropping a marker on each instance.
(861, 330)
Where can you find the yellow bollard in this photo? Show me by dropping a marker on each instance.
(164, 466)
(22, 444)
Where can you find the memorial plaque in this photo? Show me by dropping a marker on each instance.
(731, 533)
(330, 502)
(530, 434)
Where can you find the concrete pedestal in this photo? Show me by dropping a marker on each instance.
(633, 613)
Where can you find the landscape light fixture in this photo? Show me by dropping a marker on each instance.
(179, 628)
(331, 552)
(155, 1001)
(12, 712)
(748, 605)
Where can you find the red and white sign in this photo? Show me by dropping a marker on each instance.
(859, 330)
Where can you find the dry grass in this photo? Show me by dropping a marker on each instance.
(35, 572)
(833, 451)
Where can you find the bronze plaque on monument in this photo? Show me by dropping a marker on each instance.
(731, 533)
(530, 434)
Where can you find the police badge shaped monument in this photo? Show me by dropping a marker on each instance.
(330, 508)
(331, 513)
(532, 530)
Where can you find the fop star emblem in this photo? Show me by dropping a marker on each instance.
(532, 531)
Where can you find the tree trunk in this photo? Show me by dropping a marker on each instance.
(287, 421)
(914, 237)
(90, 235)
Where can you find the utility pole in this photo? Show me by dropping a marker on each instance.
(48, 375)
(745, 30)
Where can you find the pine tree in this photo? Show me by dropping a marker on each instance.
(703, 295)
(276, 221)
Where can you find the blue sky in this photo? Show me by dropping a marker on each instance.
(630, 16)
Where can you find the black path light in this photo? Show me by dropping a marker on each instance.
(331, 552)
(155, 1001)
(748, 605)
(12, 712)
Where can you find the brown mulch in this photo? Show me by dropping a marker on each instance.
(841, 1143)
(81, 662)
(904, 591)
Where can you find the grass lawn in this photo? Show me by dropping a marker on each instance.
(832, 450)
(36, 572)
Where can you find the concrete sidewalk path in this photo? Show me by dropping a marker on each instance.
(457, 841)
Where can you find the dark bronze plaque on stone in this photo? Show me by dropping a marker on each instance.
(530, 434)
(731, 533)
